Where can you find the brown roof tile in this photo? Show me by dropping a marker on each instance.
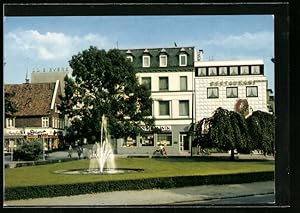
(32, 99)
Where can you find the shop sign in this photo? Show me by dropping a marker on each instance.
(14, 132)
(37, 132)
(162, 128)
(231, 83)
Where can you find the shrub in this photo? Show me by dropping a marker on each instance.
(16, 193)
(29, 151)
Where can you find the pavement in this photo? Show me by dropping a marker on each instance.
(261, 193)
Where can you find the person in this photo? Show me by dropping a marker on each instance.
(163, 150)
(79, 151)
(70, 151)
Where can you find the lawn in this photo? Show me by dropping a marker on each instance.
(152, 168)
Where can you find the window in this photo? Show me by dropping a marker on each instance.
(223, 71)
(184, 108)
(163, 61)
(129, 58)
(163, 83)
(255, 70)
(182, 60)
(164, 138)
(45, 122)
(233, 71)
(146, 61)
(10, 122)
(147, 82)
(129, 142)
(202, 71)
(164, 108)
(183, 83)
(244, 70)
(147, 139)
(231, 92)
(212, 71)
(213, 92)
(251, 91)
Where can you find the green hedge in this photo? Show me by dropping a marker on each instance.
(17, 193)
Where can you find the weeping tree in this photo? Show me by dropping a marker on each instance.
(225, 130)
(104, 82)
(261, 127)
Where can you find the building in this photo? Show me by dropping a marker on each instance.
(37, 115)
(271, 101)
(223, 83)
(169, 74)
(51, 75)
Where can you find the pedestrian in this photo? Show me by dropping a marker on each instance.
(79, 151)
(70, 151)
(163, 150)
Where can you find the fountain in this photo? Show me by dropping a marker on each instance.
(102, 159)
(102, 154)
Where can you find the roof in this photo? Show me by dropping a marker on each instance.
(154, 53)
(229, 62)
(32, 99)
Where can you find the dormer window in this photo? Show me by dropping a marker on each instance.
(182, 59)
(129, 55)
(163, 60)
(146, 61)
(129, 58)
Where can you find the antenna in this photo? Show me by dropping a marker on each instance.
(26, 78)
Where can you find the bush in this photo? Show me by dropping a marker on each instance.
(29, 151)
(17, 193)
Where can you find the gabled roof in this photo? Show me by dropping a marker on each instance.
(33, 99)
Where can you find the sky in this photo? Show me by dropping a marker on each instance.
(32, 43)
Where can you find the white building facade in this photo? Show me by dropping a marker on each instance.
(223, 83)
(169, 74)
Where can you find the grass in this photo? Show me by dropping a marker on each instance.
(160, 167)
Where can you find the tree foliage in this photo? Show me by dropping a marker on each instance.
(10, 106)
(262, 128)
(104, 82)
(229, 130)
(29, 151)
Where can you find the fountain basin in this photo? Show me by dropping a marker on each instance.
(96, 171)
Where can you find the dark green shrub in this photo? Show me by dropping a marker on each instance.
(16, 193)
(29, 151)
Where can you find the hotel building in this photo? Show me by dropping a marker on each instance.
(223, 83)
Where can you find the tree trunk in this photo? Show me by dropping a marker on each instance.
(232, 154)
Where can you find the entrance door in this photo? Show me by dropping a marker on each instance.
(184, 142)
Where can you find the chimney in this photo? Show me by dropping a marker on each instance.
(200, 55)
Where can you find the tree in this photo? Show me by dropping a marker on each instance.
(10, 106)
(262, 131)
(105, 83)
(225, 130)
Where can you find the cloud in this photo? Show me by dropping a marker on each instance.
(51, 45)
(250, 41)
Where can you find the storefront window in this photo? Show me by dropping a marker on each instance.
(164, 138)
(130, 142)
(147, 139)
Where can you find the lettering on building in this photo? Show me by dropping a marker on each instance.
(232, 83)
(162, 128)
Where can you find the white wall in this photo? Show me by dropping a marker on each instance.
(205, 107)
(174, 95)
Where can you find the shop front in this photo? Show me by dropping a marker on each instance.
(174, 137)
